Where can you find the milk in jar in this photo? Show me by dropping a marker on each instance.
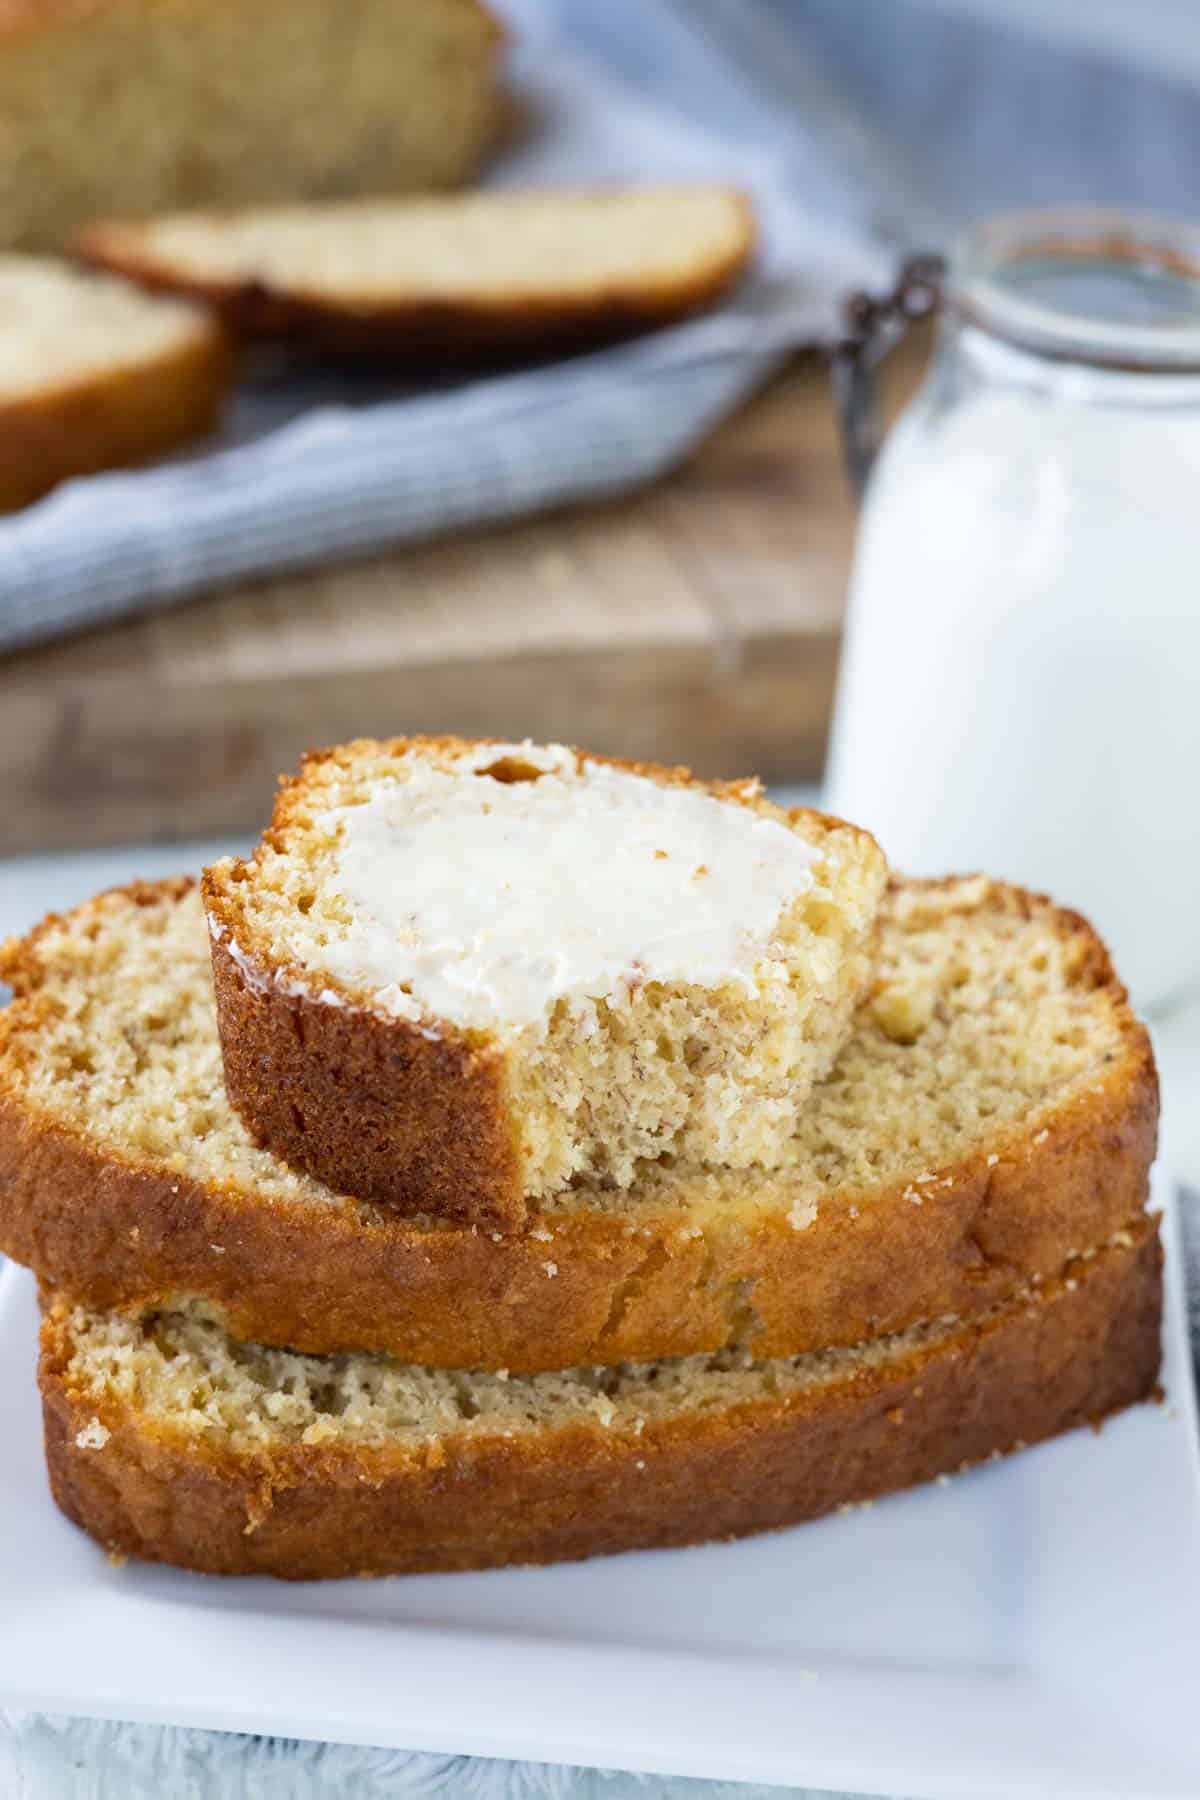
(1020, 689)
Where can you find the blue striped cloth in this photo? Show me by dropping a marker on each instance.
(853, 141)
(337, 482)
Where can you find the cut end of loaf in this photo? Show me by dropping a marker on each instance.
(231, 105)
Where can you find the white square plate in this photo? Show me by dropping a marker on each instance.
(1032, 1628)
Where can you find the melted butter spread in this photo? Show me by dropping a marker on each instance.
(486, 901)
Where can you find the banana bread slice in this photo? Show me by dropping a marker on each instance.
(456, 976)
(94, 373)
(993, 1112)
(448, 278)
(168, 1440)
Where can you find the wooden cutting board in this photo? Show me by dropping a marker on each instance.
(697, 623)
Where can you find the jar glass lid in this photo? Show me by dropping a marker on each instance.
(1112, 288)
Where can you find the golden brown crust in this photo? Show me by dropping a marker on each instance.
(448, 330)
(126, 415)
(1078, 1351)
(370, 1104)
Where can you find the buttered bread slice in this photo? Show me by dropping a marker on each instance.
(167, 1440)
(456, 977)
(992, 1114)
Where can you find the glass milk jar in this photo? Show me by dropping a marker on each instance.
(1020, 686)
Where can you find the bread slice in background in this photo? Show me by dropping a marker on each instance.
(169, 1441)
(94, 373)
(992, 1114)
(141, 106)
(455, 975)
(448, 279)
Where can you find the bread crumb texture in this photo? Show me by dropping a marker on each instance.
(62, 327)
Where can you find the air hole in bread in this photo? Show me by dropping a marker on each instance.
(510, 769)
(464, 1399)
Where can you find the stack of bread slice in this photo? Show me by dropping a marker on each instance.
(524, 1156)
